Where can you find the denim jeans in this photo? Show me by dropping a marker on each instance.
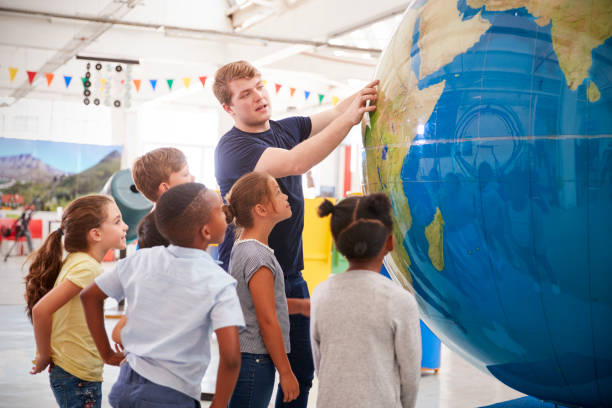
(255, 382)
(134, 391)
(72, 392)
(300, 356)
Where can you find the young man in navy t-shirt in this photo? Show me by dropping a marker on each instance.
(285, 149)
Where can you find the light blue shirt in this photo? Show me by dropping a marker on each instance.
(175, 297)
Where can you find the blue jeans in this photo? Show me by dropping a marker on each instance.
(72, 392)
(134, 391)
(255, 382)
(300, 356)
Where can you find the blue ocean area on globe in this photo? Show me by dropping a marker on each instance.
(493, 138)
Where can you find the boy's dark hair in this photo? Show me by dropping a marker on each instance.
(360, 225)
(181, 212)
(249, 190)
(148, 233)
(154, 168)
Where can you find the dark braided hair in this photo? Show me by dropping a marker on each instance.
(360, 225)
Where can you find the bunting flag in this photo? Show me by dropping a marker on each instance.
(203, 80)
(335, 100)
(321, 96)
(153, 83)
(137, 84)
(12, 73)
(292, 91)
(67, 80)
(264, 82)
(306, 94)
(277, 87)
(170, 82)
(186, 81)
(31, 75)
(103, 82)
(49, 77)
(83, 80)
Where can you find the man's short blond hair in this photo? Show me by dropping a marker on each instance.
(154, 168)
(229, 72)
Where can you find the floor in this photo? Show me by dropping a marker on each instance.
(457, 384)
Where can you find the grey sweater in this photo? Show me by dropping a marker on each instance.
(366, 342)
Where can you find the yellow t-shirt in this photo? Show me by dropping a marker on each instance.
(72, 347)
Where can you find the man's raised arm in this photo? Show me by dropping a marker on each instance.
(281, 162)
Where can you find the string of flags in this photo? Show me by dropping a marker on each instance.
(154, 82)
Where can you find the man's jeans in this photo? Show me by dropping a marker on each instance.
(255, 382)
(72, 392)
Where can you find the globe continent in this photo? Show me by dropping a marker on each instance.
(493, 139)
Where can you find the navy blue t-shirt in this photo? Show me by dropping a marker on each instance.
(237, 154)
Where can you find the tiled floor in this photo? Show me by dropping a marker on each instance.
(457, 384)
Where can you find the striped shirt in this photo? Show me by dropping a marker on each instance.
(247, 257)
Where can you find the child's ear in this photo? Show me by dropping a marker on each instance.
(162, 188)
(390, 244)
(94, 235)
(260, 210)
(205, 232)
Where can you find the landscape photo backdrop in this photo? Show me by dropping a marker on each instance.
(51, 174)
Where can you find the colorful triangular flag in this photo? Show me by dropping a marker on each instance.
(153, 83)
(83, 80)
(12, 73)
(291, 91)
(321, 96)
(335, 100)
(306, 94)
(31, 75)
(103, 83)
(137, 84)
(264, 82)
(203, 80)
(186, 81)
(277, 87)
(49, 77)
(170, 82)
(67, 80)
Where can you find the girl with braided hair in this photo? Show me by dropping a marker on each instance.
(364, 328)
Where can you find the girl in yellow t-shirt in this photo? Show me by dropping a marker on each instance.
(90, 226)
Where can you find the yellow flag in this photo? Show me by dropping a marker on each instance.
(12, 73)
(264, 82)
(186, 81)
(335, 100)
(103, 82)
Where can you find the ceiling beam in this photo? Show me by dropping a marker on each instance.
(191, 32)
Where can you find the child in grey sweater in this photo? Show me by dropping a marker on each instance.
(364, 328)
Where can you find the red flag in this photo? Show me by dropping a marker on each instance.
(278, 87)
(31, 75)
(292, 91)
(137, 84)
(203, 80)
(49, 78)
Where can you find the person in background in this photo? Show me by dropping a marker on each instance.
(176, 296)
(90, 226)
(257, 204)
(365, 330)
(285, 149)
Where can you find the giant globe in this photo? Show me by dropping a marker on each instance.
(493, 138)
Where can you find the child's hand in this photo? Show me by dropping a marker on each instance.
(115, 358)
(40, 364)
(290, 386)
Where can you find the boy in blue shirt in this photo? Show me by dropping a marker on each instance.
(176, 296)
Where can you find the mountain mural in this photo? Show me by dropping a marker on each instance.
(33, 184)
(26, 168)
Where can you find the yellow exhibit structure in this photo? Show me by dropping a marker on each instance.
(317, 242)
